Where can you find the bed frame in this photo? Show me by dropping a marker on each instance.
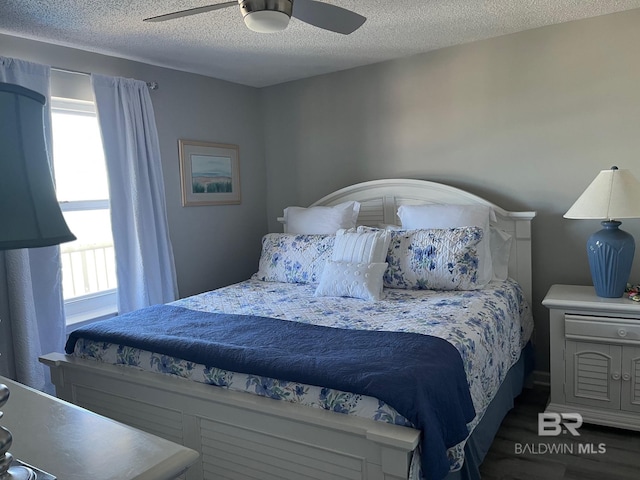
(244, 436)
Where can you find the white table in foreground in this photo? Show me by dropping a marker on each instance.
(75, 444)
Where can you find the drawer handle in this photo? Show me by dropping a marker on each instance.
(622, 332)
(626, 377)
(615, 375)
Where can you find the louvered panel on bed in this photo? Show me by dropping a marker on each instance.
(247, 453)
(371, 213)
(164, 422)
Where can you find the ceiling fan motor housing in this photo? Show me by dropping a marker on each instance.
(266, 16)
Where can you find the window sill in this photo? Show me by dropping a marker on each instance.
(87, 309)
(77, 321)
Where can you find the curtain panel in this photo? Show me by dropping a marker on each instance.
(31, 304)
(144, 257)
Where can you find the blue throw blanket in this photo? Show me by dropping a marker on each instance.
(422, 377)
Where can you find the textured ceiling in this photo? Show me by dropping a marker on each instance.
(217, 43)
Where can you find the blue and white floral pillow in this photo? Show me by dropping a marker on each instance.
(434, 259)
(294, 258)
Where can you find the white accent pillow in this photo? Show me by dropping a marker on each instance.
(321, 220)
(451, 216)
(361, 247)
(349, 279)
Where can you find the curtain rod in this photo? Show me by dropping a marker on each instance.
(151, 85)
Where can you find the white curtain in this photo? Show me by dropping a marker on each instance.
(144, 258)
(31, 304)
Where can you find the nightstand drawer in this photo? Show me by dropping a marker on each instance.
(582, 327)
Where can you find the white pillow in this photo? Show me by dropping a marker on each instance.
(431, 216)
(361, 247)
(500, 252)
(349, 279)
(321, 220)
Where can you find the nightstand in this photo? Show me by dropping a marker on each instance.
(595, 356)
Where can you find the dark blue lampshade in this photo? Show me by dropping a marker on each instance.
(614, 194)
(30, 215)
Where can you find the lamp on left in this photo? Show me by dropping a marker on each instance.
(30, 215)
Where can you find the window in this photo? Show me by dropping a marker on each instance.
(88, 264)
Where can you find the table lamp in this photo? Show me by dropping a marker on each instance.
(613, 195)
(30, 215)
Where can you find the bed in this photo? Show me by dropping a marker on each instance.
(277, 433)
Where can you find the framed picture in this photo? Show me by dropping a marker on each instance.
(209, 173)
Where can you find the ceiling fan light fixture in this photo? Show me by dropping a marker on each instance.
(266, 21)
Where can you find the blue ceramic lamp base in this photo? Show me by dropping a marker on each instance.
(610, 252)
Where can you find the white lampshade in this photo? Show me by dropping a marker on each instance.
(614, 194)
(266, 21)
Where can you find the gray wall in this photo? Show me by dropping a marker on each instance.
(213, 245)
(525, 120)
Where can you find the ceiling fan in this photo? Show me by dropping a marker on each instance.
(267, 16)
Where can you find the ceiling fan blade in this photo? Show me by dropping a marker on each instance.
(190, 11)
(327, 17)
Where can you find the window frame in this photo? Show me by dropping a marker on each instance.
(95, 306)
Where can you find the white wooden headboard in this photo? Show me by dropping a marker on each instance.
(380, 200)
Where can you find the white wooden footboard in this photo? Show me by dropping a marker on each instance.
(239, 435)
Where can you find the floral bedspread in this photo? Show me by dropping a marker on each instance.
(489, 327)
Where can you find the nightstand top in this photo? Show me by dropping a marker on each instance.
(579, 297)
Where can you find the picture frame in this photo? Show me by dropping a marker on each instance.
(209, 173)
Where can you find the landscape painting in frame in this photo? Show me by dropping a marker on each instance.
(210, 173)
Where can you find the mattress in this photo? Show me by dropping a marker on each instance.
(488, 327)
